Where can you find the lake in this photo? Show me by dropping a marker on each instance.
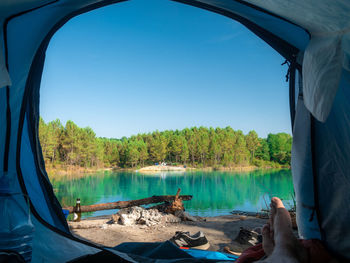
(214, 193)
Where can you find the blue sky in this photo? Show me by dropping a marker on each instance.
(140, 66)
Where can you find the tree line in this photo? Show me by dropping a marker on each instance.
(197, 147)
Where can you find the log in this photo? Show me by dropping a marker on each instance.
(262, 215)
(125, 204)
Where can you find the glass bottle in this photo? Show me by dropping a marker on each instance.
(77, 211)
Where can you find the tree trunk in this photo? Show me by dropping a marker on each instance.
(125, 204)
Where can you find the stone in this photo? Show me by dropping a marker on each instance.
(140, 216)
(115, 218)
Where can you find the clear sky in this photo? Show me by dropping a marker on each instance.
(141, 66)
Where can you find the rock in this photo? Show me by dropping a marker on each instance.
(138, 215)
(185, 216)
(115, 218)
(172, 219)
(129, 216)
(142, 221)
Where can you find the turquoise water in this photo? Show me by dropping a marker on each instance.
(214, 193)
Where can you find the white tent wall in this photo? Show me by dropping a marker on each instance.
(331, 163)
(302, 174)
(327, 52)
(320, 168)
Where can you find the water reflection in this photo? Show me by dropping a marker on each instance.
(214, 193)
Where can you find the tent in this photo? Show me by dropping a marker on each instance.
(312, 35)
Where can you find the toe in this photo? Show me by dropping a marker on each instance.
(268, 243)
(276, 203)
(266, 229)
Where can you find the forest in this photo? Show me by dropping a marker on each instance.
(199, 147)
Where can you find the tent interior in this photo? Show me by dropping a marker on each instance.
(312, 35)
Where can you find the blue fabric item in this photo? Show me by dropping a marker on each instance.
(168, 252)
(164, 250)
(198, 253)
(65, 212)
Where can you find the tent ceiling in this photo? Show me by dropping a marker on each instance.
(325, 17)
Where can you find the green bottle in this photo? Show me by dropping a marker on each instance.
(77, 211)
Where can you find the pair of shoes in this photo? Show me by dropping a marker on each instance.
(184, 239)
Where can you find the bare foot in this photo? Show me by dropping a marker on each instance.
(287, 247)
(279, 242)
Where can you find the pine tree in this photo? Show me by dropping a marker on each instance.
(252, 141)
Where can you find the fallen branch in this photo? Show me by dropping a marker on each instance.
(125, 204)
(253, 214)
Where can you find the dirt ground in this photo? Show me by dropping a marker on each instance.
(220, 231)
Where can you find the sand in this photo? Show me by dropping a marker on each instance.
(220, 231)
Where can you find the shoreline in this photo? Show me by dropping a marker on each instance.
(77, 170)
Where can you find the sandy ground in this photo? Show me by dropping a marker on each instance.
(220, 231)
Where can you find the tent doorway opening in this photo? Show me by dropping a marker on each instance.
(163, 83)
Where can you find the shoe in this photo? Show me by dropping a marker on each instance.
(248, 237)
(184, 239)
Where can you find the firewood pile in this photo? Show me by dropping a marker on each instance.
(167, 212)
(169, 209)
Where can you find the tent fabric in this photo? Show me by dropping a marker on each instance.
(284, 37)
(302, 169)
(295, 35)
(4, 75)
(328, 50)
(312, 35)
(331, 162)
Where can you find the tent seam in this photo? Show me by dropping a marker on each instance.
(8, 109)
(272, 14)
(287, 50)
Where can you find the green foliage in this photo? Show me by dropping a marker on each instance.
(280, 146)
(252, 143)
(202, 147)
(262, 151)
